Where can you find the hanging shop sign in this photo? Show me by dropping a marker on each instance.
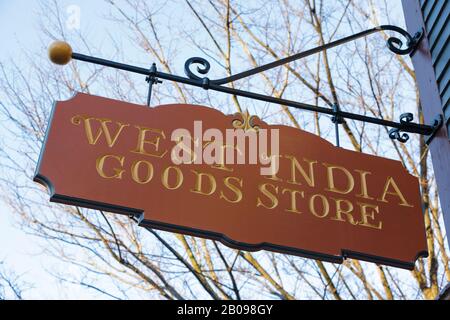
(194, 170)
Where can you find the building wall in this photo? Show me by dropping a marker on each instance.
(436, 16)
(432, 73)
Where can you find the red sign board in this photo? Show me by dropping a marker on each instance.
(320, 201)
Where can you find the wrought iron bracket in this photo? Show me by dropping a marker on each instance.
(337, 119)
(399, 129)
(438, 122)
(406, 119)
(416, 40)
(151, 79)
(394, 44)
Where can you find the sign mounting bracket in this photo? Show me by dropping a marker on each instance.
(151, 79)
(61, 53)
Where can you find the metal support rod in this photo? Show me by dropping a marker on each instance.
(151, 79)
(406, 127)
(337, 120)
(336, 131)
(149, 96)
(411, 43)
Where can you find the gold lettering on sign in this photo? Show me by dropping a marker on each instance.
(199, 185)
(391, 182)
(351, 184)
(346, 211)
(295, 166)
(142, 142)
(273, 199)
(178, 180)
(366, 215)
(293, 199)
(364, 193)
(100, 163)
(330, 177)
(325, 206)
(110, 140)
(232, 187)
(135, 172)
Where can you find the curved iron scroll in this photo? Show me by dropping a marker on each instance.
(196, 60)
(394, 133)
(394, 44)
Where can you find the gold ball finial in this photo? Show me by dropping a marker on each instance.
(60, 52)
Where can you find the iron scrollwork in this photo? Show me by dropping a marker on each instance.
(406, 122)
(199, 61)
(393, 43)
(408, 45)
(395, 133)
